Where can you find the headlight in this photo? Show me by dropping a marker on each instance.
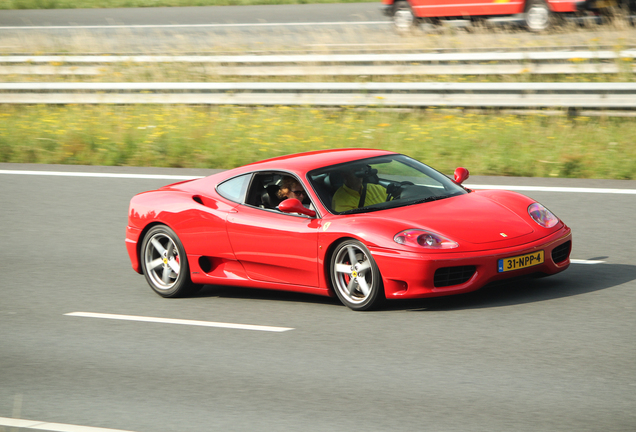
(421, 238)
(542, 215)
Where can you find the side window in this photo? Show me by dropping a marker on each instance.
(234, 189)
(264, 190)
(268, 189)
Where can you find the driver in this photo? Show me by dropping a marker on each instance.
(349, 195)
(290, 188)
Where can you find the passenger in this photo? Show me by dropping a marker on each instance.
(348, 196)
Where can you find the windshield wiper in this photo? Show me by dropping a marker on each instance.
(401, 204)
(362, 210)
(429, 199)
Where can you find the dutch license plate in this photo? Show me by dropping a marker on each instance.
(521, 261)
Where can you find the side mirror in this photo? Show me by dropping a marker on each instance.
(461, 174)
(292, 205)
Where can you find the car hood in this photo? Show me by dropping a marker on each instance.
(469, 218)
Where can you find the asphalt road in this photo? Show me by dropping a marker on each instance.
(553, 354)
(193, 16)
(322, 27)
(217, 28)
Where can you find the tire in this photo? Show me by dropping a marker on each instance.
(538, 16)
(355, 276)
(403, 18)
(165, 264)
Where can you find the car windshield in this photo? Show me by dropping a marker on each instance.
(379, 183)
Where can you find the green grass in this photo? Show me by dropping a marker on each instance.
(224, 137)
(72, 4)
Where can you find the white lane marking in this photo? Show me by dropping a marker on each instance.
(141, 26)
(556, 189)
(181, 321)
(57, 427)
(183, 177)
(580, 261)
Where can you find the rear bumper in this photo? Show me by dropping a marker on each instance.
(411, 275)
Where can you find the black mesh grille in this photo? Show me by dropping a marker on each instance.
(447, 276)
(561, 252)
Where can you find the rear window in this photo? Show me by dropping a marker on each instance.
(234, 188)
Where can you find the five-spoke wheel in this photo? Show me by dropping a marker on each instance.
(355, 276)
(164, 263)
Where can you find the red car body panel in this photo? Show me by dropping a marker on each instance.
(466, 8)
(228, 243)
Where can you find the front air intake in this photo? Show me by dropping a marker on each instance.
(448, 276)
(561, 252)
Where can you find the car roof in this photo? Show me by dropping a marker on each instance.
(304, 162)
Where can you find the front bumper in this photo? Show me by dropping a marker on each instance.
(408, 275)
(132, 240)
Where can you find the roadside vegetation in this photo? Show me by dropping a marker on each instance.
(225, 137)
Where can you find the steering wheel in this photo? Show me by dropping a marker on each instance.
(394, 189)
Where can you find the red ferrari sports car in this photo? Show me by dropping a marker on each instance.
(360, 224)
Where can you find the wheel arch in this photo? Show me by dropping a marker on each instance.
(401, 25)
(359, 287)
(327, 261)
(326, 271)
(142, 236)
(545, 23)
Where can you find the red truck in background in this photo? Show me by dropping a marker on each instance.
(535, 15)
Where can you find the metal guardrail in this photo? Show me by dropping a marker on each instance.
(495, 95)
(353, 70)
(456, 63)
(335, 58)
